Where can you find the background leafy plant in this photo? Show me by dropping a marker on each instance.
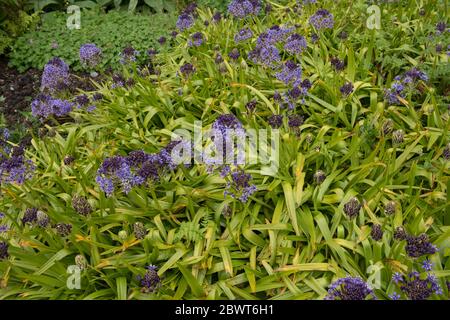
(112, 32)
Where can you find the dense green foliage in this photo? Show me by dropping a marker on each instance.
(111, 32)
(14, 21)
(291, 239)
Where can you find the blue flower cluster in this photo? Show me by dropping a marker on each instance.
(322, 19)
(55, 76)
(243, 8)
(243, 35)
(416, 287)
(186, 19)
(90, 54)
(138, 168)
(4, 250)
(14, 168)
(3, 227)
(350, 288)
(197, 40)
(239, 185)
(420, 245)
(291, 74)
(151, 280)
(295, 44)
(227, 135)
(403, 84)
(128, 55)
(45, 106)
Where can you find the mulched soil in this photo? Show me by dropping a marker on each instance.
(17, 90)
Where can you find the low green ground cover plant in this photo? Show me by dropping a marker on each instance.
(111, 31)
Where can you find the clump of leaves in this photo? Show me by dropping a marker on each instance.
(111, 32)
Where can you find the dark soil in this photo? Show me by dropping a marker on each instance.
(16, 92)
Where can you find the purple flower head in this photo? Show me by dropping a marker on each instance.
(243, 8)
(400, 233)
(415, 74)
(97, 96)
(239, 187)
(441, 27)
(162, 40)
(128, 55)
(275, 34)
(152, 52)
(138, 168)
(291, 74)
(322, 19)
(4, 250)
(427, 265)
(337, 63)
(187, 69)
(352, 207)
(185, 21)
(42, 219)
(251, 105)
(419, 245)
(63, 229)
(277, 96)
(295, 120)
(394, 296)
(218, 59)
(446, 152)
(174, 34)
(217, 17)
(350, 288)
(4, 136)
(416, 287)
(90, 55)
(151, 280)
(376, 232)
(81, 205)
(14, 168)
(68, 160)
(275, 121)
(234, 54)
(243, 34)
(197, 39)
(45, 106)
(295, 44)
(319, 177)
(82, 100)
(55, 76)
(314, 38)
(118, 81)
(346, 89)
(115, 172)
(30, 215)
(226, 122)
(265, 54)
(139, 230)
(190, 8)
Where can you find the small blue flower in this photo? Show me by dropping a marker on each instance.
(397, 277)
(395, 296)
(427, 265)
